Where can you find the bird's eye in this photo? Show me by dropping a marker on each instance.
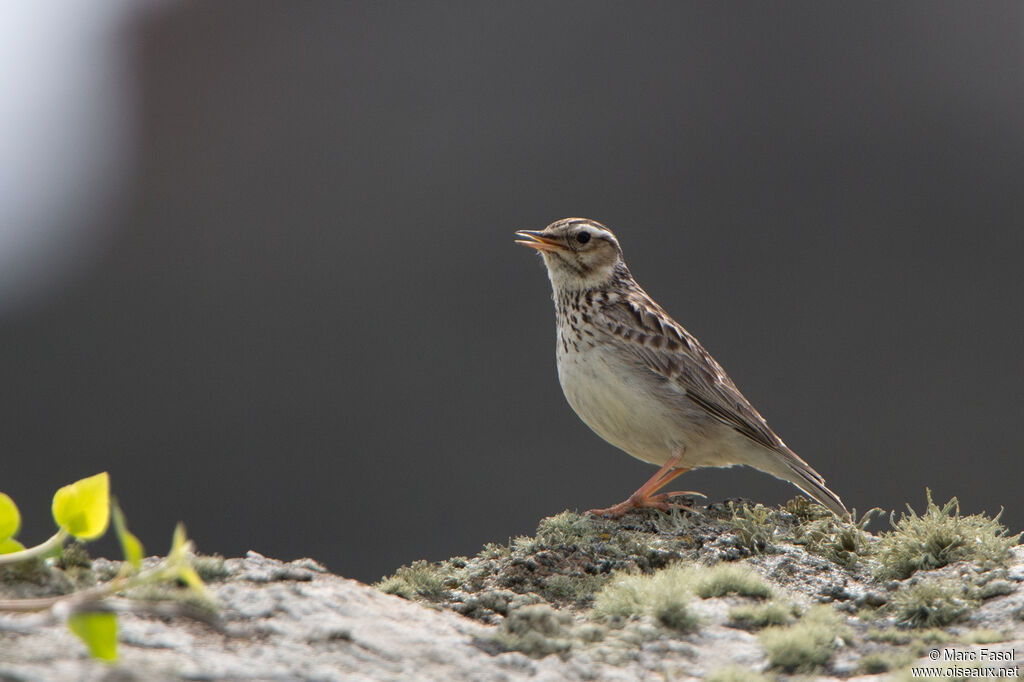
(583, 237)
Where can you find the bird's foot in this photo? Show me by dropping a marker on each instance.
(639, 501)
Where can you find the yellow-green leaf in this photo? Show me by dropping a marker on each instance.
(10, 519)
(98, 631)
(179, 560)
(83, 507)
(10, 545)
(188, 575)
(130, 545)
(180, 544)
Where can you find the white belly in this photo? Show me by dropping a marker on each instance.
(616, 402)
(649, 418)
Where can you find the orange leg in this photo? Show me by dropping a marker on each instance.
(645, 497)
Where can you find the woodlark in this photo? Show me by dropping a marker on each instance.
(642, 382)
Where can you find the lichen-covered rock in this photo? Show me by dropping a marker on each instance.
(738, 592)
(738, 583)
(288, 621)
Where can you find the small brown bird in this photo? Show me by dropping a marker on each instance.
(642, 382)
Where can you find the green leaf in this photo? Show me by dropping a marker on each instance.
(10, 519)
(130, 545)
(98, 631)
(180, 544)
(83, 508)
(188, 575)
(179, 560)
(10, 545)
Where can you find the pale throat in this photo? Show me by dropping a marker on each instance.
(568, 276)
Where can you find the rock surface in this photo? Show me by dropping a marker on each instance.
(527, 612)
(283, 621)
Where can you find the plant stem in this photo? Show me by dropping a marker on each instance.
(42, 549)
(42, 603)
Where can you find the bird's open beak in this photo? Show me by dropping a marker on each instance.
(537, 240)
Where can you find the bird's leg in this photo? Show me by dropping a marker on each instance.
(645, 497)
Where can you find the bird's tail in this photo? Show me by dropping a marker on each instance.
(789, 467)
(816, 488)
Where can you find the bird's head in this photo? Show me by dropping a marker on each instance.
(580, 254)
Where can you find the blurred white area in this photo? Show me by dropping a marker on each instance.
(66, 124)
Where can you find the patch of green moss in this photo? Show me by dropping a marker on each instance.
(561, 531)
(754, 526)
(723, 579)
(800, 521)
(76, 565)
(735, 673)
(939, 537)
(493, 551)
(418, 580)
(931, 603)
(574, 589)
(757, 616)
(536, 631)
(74, 555)
(675, 614)
(570, 533)
(663, 595)
(933, 636)
(918, 641)
(878, 662)
(805, 510)
(210, 567)
(674, 522)
(841, 542)
(867, 614)
(805, 646)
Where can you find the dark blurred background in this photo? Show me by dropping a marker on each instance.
(256, 258)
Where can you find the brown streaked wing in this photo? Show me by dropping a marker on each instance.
(666, 348)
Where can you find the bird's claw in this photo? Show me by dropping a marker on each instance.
(659, 501)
